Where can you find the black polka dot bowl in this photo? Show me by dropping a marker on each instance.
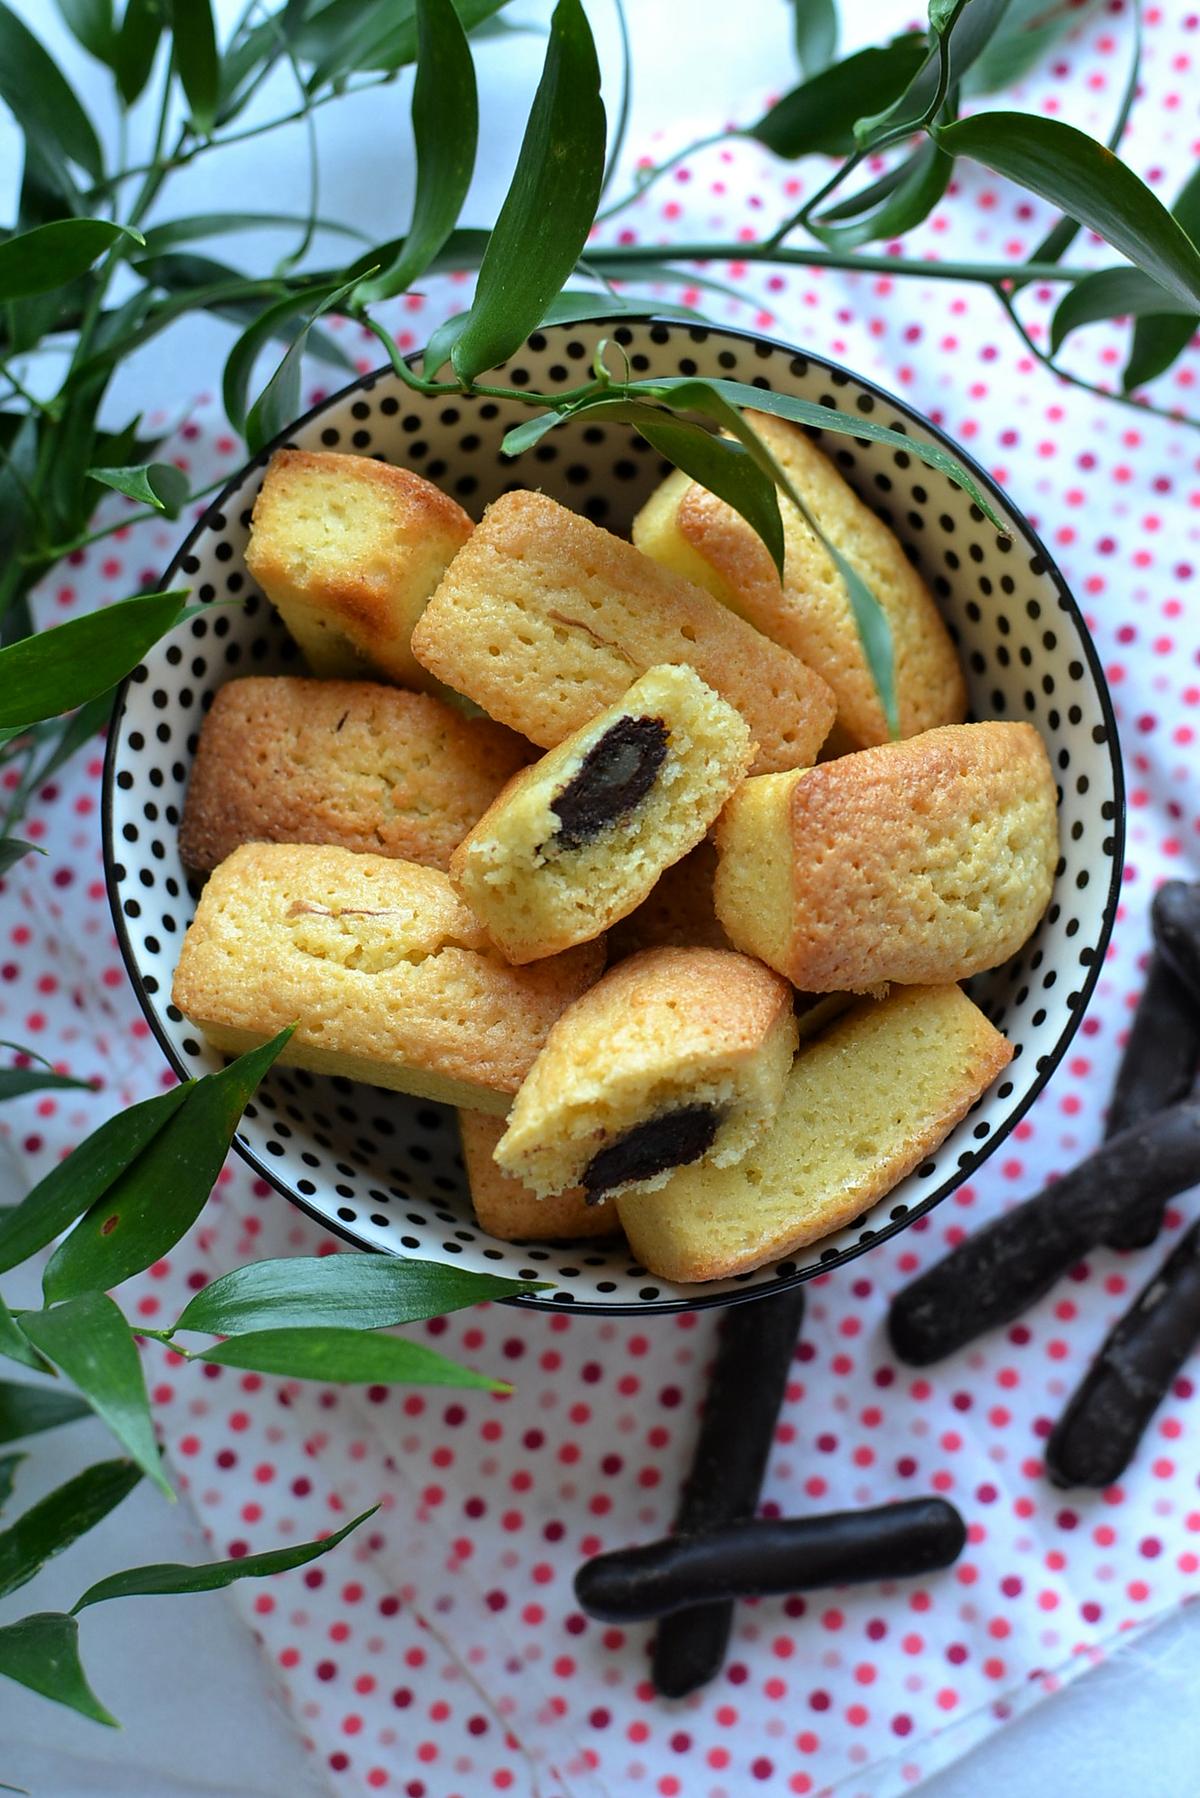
(383, 1170)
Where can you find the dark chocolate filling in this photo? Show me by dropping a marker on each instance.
(614, 775)
(671, 1140)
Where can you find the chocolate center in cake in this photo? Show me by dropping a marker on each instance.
(671, 1140)
(614, 775)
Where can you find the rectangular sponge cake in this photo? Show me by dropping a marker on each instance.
(864, 1105)
(544, 619)
(387, 975)
(348, 550)
(507, 1209)
(370, 768)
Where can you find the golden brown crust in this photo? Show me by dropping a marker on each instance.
(866, 1102)
(370, 768)
(544, 619)
(387, 974)
(507, 1209)
(921, 862)
(809, 612)
(349, 549)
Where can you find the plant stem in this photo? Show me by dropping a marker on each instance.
(56, 551)
(990, 273)
(1064, 374)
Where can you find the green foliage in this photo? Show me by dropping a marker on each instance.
(42, 1652)
(51, 1525)
(344, 1357)
(26, 1410)
(72, 663)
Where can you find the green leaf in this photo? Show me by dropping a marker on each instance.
(15, 1082)
(445, 122)
(278, 404)
(1112, 293)
(174, 1577)
(815, 34)
(919, 184)
(65, 667)
(353, 1292)
(13, 850)
(570, 307)
(69, 734)
(819, 115)
(43, 102)
(136, 46)
(90, 1341)
(726, 469)
(50, 255)
(1083, 178)
(344, 1357)
(278, 318)
(42, 1652)
(13, 1346)
(90, 22)
(353, 35)
(551, 202)
(157, 484)
(59, 1519)
(146, 1210)
(27, 1410)
(196, 226)
(1157, 341)
(1028, 30)
(196, 59)
(68, 1189)
(8, 1473)
(961, 31)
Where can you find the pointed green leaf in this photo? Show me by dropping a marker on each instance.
(344, 1357)
(961, 31)
(353, 1292)
(351, 35)
(815, 33)
(1157, 341)
(196, 226)
(1112, 293)
(27, 1410)
(551, 202)
(277, 319)
(13, 850)
(8, 1474)
(196, 59)
(157, 484)
(42, 100)
(154, 1202)
(920, 183)
(68, 1189)
(1086, 180)
(174, 1577)
(15, 1082)
(90, 22)
(59, 1519)
(42, 1652)
(90, 1341)
(818, 116)
(136, 46)
(14, 1347)
(62, 668)
(445, 122)
(50, 255)
(279, 402)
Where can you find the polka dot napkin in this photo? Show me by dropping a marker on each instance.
(439, 1654)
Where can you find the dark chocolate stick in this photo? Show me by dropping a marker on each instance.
(1098, 1433)
(771, 1555)
(1002, 1269)
(1157, 1069)
(737, 1427)
(1175, 916)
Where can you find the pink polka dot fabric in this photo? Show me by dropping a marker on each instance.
(440, 1654)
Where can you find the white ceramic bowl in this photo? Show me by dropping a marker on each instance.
(383, 1170)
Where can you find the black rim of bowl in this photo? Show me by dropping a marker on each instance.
(762, 1289)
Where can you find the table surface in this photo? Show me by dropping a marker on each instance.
(201, 1716)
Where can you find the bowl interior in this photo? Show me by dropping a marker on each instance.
(384, 1170)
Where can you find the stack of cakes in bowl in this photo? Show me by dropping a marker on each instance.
(609, 846)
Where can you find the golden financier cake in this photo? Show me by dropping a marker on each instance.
(922, 862)
(372, 768)
(864, 1104)
(581, 837)
(387, 975)
(675, 1056)
(509, 1210)
(348, 550)
(678, 913)
(689, 530)
(544, 619)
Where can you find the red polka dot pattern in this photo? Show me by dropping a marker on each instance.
(440, 1654)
